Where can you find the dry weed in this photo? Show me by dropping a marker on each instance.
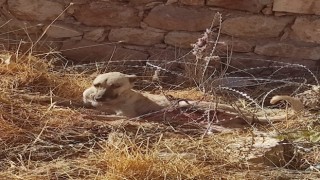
(45, 141)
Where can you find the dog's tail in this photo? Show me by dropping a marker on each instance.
(296, 104)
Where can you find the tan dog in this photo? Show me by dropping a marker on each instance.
(113, 91)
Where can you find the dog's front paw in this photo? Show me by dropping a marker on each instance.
(88, 97)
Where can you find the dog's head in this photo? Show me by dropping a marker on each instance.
(109, 86)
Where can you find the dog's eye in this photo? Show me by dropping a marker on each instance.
(97, 85)
(114, 86)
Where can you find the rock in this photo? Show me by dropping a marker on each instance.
(278, 14)
(193, 2)
(139, 2)
(297, 6)
(35, 10)
(306, 30)
(134, 47)
(2, 2)
(167, 54)
(263, 150)
(250, 62)
(288, 50)
(171, 2)
(246, 5)
(180, 18)
(24, 43)
(271, 152)
(19, 27)
(152, 5)
(136, 36)
(225, 44)
(255, 26)
(61, 30)
(97, 34)
(228, 44)
(78, 1)
(88, 51)
(146, 27)
(267, 10)
(110, 15)
(181, 39)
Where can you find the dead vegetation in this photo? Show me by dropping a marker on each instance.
(43, 138)
(45, 141)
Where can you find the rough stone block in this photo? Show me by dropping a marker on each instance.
(60, 30)
(97, 34)
(193, 2)
(297, 6)
(255, 26)
(180, 18)
(105, 14)
(181, 39)
(88, 51)
(227, 45)
(136, 36)
(288, 50)
(35, 10)
(306, 30)
(246, 5)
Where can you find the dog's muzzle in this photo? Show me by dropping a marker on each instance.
(107, 95)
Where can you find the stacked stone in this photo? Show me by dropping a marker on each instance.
(284, 30)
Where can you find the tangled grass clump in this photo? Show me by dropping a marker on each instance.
(35, 75)
(21, 120)
(44, 141)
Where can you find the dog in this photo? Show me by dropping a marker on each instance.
(113, 91)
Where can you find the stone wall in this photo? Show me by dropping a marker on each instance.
(99, 30)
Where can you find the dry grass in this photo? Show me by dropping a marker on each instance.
(45, 141)
(27, 130)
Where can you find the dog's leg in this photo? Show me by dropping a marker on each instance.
(88, 97)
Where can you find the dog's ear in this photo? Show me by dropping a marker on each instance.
(132, 78)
